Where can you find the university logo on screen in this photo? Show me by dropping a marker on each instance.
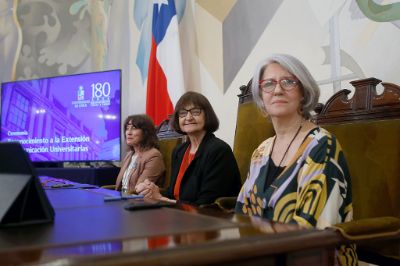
(100, 95)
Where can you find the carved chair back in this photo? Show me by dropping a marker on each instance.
(368, 127)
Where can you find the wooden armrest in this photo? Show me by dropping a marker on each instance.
(109, 187)
(370, 228)
(226, 204)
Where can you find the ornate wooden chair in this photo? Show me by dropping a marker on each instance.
(252, 128)
(168, 139)
(368, 128)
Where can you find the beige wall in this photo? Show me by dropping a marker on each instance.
(302, 28)
(221, 41)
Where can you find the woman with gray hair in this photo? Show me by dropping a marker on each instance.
(299, 175)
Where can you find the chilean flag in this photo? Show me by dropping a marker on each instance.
(165, 76)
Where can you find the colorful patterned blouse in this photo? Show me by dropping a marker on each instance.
(314, 190)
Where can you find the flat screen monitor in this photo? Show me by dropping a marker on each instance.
(74, 118)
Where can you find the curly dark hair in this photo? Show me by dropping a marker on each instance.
(144, 122)
(198, 100)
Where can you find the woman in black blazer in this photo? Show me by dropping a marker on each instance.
(203, 168)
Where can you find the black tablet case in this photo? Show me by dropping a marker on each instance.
(22, 198)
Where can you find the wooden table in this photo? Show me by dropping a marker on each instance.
(89, 231)
(98, 176)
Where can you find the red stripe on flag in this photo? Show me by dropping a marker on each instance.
(158, 102)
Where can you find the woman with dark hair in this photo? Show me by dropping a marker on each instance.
(144, 160)
(203, 168)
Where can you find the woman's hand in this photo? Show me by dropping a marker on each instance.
(149, 190)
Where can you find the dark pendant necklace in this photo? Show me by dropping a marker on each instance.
(275, 171)
(288, 147)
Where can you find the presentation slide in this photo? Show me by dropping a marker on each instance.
(64, 118)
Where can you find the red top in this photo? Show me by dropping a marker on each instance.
(187, 159)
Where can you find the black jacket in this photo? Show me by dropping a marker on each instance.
(213, 172)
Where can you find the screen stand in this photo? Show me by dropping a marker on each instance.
(48, 164)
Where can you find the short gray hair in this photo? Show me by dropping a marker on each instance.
(308, 86)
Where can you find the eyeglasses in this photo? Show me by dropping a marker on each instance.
(194, 112)
(287, 84)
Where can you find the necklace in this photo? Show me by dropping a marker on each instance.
(287, 149)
